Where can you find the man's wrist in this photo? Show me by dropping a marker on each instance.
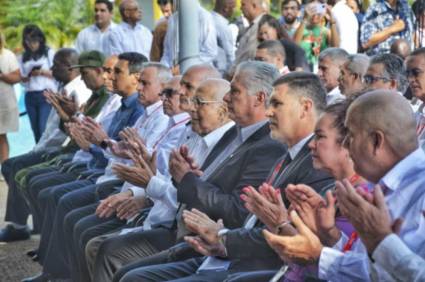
(103, 144)
(222, 237)
(330, 237)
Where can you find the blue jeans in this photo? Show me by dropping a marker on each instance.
(38, 111)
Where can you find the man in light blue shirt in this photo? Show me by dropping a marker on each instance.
(129, 35)
(207, 39)
(223, 10)
(94, 37)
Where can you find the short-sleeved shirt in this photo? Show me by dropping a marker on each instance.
(9, 115)
(314, 39)
(380, 16)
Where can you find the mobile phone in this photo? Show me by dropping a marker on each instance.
(316, 8)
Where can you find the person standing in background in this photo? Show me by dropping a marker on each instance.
(9, 114)
(36, 62)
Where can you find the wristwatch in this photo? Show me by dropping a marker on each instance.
(222, 236)
(103, 144)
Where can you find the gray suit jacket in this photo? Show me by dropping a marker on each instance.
(219, 195)
(246, 248)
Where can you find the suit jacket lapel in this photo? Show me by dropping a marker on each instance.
(294, 164)
(244, 147)
(221, 144)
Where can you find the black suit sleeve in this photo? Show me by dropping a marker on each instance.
(251, 169)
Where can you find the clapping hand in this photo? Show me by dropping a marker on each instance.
(303, 248)
(180, 164)
(267, 205)
(94, 131)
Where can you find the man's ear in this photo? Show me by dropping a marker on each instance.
(261, 98)
(378, 139)
(393, 84)
(306, 106)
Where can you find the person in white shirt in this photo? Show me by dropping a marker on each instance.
(207, 39)
(330, 62)
(130, 35)
(35, 63)
(9, 112)
(346, 25)
(94, 37)
(223, 11)
(272, 52)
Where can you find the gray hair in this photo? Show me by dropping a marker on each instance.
(306, 85)
(358, 64)
(257, 76)
(393, 69)
(337, 55)
(163, 73)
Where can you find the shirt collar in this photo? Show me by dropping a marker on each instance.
(128, 26)
(151, 109)
(127, 101)
(221, 17)
(110, 26)
(212, 138)
(70, 86)
(395, 175)
(247, 131)
(179, 117)
(294, 150)
(334, 91)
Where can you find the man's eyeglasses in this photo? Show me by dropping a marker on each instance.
(414, 72)
(168, 93)
(199, 102)
(369, 79)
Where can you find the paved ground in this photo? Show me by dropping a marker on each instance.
(14, 264)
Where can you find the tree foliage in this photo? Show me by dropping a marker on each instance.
(60, 20)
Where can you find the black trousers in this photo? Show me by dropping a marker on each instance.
(117, 251)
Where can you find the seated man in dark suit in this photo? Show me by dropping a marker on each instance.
(295, 106)
(243, 156)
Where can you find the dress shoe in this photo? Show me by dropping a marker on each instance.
(32, 253)
(12, 233)
(41, 277)
(35, 258)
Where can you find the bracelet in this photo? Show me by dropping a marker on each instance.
(283, 224)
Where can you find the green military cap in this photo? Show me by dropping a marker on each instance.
(91, 59)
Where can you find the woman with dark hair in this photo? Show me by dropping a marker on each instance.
(270, 29)
(36, 62)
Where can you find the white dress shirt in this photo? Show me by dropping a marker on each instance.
(207, 39)
(405, 198)
(149, 126)
(40, 82)
(160, 188)
(226, 48)
(92, 38)
(347, 26)
(334, 96)
(397, 259)
(53, 137)
(126, 38)
(167, 141)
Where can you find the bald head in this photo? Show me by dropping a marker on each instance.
(130, 12)
(388, 112)
(401, 48)
(193, 77)
(215, 88)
